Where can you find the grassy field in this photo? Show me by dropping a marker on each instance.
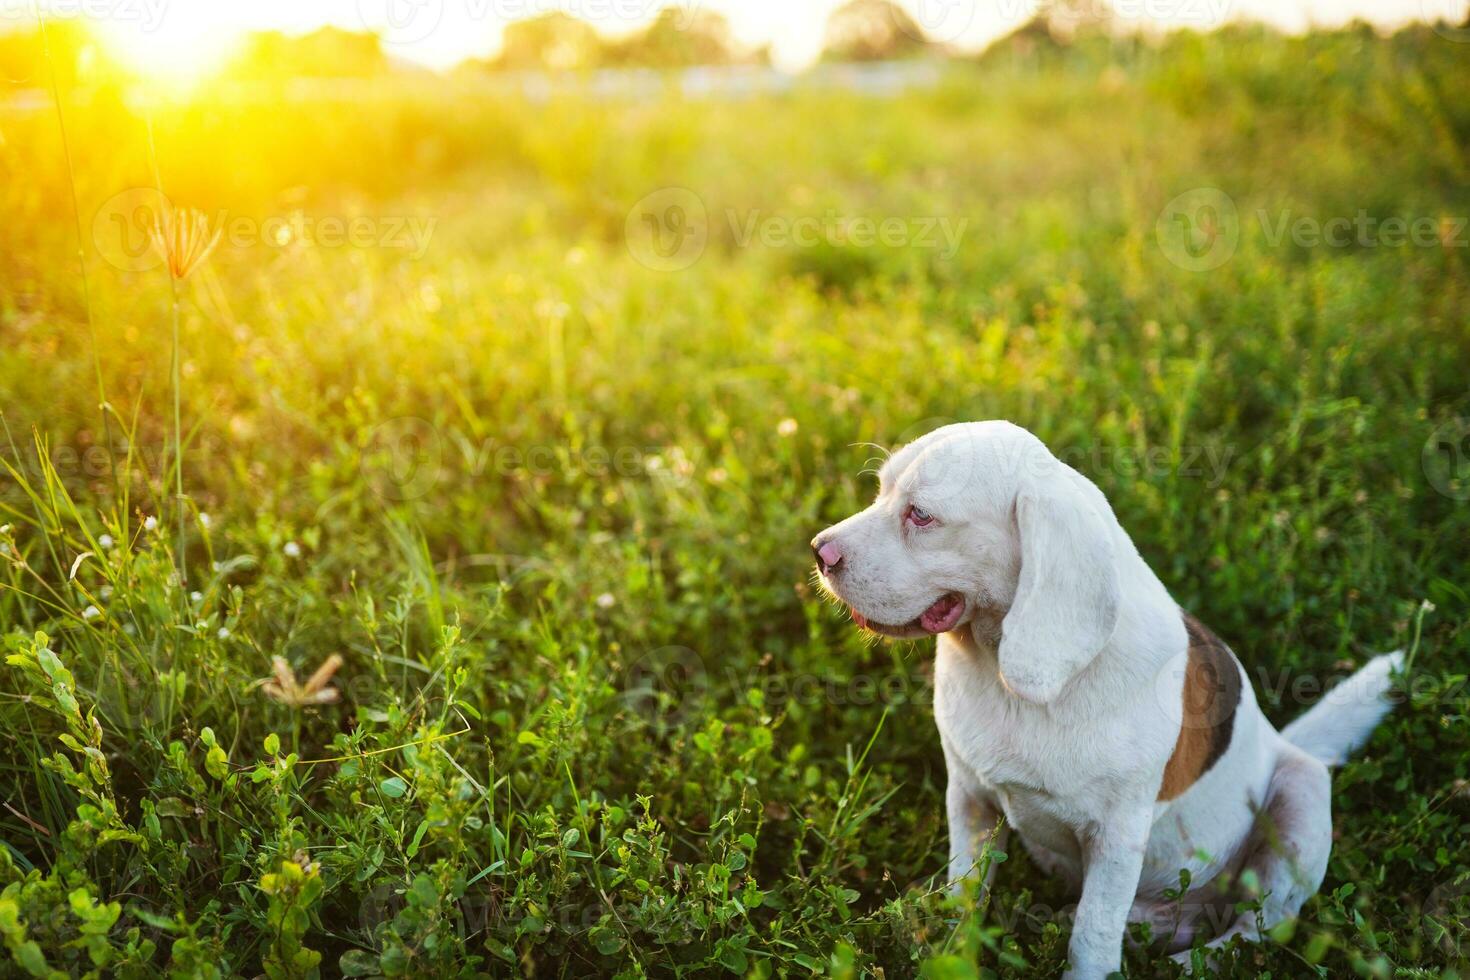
(527, 412)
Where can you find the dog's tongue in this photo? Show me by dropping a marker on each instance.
(941, 617)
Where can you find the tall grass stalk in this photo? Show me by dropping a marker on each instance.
(76, 210)
(175, 378)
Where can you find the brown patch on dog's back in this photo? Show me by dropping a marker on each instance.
(1211, 695)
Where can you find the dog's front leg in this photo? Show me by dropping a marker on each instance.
(1113, 859)
(972, 823)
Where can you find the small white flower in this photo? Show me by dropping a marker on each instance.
(196, 596)
(606, 600)
(105, 540)
(223, 633)
(91, 612)
(787, 428)
(105, 592)
(150, 524)
(204, 519)
(292, 549)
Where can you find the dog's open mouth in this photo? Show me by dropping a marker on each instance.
(940, 617)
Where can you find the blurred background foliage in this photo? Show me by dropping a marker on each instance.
(550, 504)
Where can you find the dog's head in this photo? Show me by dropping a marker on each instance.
(979, 518)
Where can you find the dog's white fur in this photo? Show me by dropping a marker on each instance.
(1058, 696)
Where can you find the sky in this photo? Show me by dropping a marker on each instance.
(440, 33)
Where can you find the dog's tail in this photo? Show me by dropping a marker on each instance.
(1348, 713)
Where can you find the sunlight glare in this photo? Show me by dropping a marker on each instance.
(174, 43)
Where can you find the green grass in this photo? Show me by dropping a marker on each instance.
(550, 506)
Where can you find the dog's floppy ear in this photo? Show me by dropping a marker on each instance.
(1066, 603)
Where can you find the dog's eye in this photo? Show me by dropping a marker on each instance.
(919, 517)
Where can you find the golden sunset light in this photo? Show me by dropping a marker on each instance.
(174, 41)
(734, 489)
(177, 39)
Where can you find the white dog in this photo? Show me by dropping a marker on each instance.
(1115, 733)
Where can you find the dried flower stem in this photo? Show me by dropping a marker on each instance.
(183, 239)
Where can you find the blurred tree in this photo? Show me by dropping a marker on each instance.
(872, 30)
(326, 53)
(1065, 19)
(680, 37)
(76, 54)
(556, 40)
(1082, 31)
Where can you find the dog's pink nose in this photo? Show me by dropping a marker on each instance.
(828, 555)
